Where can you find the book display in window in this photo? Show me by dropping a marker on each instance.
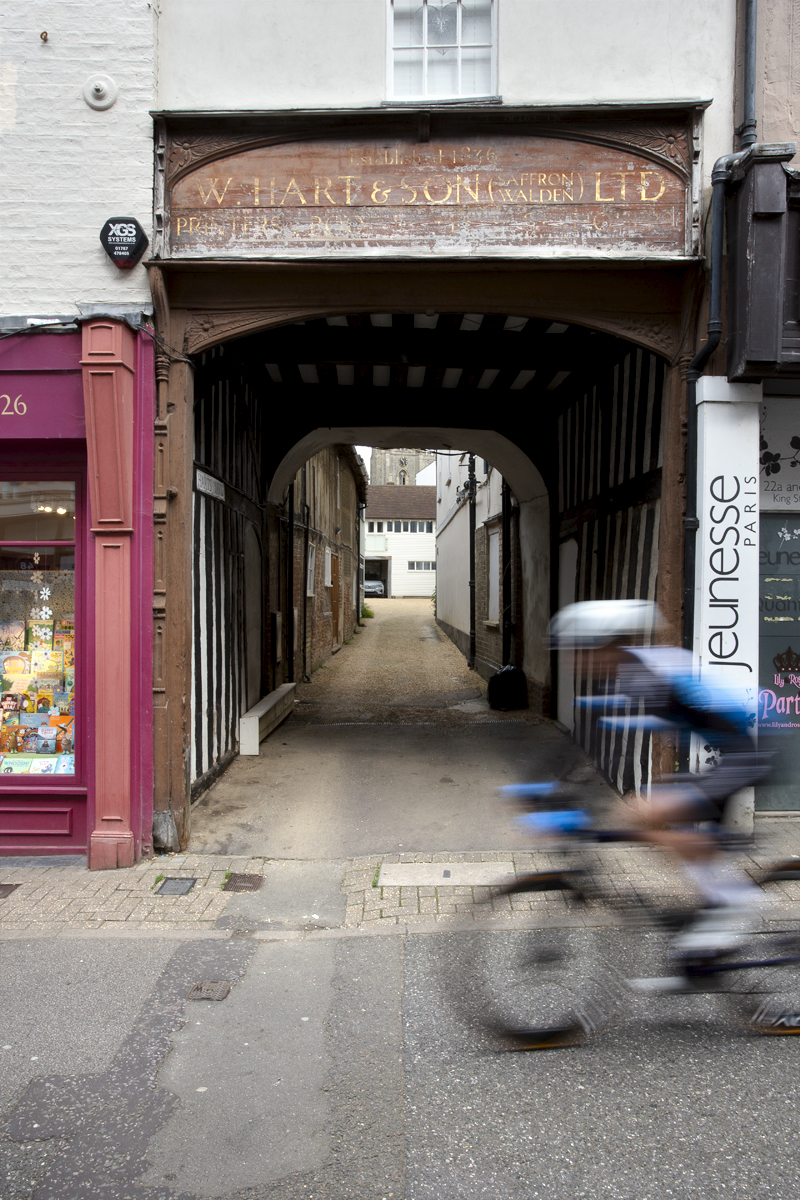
(37, 660)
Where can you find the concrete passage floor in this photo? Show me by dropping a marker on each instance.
(392, 748)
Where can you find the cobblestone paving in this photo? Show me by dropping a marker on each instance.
(63, 899)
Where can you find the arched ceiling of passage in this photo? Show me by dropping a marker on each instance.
(461, 352)
(426, 376)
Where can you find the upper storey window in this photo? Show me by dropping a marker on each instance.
(441, 48)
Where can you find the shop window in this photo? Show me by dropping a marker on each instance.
(312, 563)
(37, 627)
(493, 575)
(441, 48)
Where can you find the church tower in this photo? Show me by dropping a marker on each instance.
(399, 466)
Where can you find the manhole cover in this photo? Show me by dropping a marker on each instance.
(7, 888)
(209, 989)
(176, 887)
(243, 883)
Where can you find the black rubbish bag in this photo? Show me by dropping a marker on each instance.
(508, 689)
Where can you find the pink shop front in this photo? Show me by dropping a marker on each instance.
(75, 593)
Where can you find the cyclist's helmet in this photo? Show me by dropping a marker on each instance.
(590, 624)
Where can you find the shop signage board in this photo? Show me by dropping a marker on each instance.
(510, 196)
(726, 582)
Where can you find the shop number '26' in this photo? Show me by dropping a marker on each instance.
(11, 408)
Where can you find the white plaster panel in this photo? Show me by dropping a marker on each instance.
(235, 54)
(584, 51)
(66, 166)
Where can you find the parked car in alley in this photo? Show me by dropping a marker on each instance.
(373, 587)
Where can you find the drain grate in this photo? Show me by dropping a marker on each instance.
(243, 883)
(173, 886)
(7, 888)
(209, 989)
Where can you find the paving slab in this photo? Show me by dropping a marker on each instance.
(444, 874)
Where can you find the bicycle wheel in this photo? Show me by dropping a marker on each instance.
(761, 983)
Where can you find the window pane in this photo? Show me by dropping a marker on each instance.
(37, 511)
(413, 526)
(370, 526)
(442, 23)
(407, 22)
(476, 72)
(411, 566)
(405, 526)
(37, 660)
(398, 526)
(476, 22)
(442, 72)
(408, 72)
(380, 526)
(430, 527)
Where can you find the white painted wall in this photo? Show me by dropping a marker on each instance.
(66, 167)
(452, 575)
(407, 547)
(427, 476)
(234, 54)
(452, 540)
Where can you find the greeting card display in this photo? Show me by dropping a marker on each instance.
(38, 635)
(43, 766)
(16, 766)
(12, 635)
(46, 739)
(65, 765)
(15, 662)
(47, 664)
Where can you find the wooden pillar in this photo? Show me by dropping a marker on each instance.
(107, 361)
(172, 584)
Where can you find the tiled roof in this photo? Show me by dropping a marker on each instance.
(406, 501)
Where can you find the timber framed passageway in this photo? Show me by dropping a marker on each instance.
(545, 333)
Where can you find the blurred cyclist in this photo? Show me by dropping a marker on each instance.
(659, 688)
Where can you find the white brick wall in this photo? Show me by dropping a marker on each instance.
(66, 167)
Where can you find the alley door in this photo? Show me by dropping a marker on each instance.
(335, 598)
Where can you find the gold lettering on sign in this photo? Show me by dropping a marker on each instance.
(408, 188)
(465, 184)
(213, 190)
(660, 178)
(597, 195)
(292, 187)
(540, 196)
(348, 179)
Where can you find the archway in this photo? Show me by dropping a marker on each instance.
(569, 416)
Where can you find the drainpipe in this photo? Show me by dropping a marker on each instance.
(719, 178)
(306, 543)
(472, 488)
(691, 524)
(505, 494)
(748, 126)
(290, 587)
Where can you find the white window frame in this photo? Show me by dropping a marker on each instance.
(312, 564)
(328, 569)
(390, 48)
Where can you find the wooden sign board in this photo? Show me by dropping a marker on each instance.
(528, 197)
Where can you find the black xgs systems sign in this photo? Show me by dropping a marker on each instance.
(124, 241)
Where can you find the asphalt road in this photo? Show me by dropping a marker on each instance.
(340, 1067)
